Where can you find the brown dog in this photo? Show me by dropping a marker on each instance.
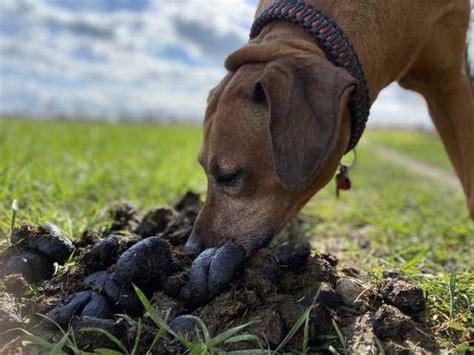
(278, 124)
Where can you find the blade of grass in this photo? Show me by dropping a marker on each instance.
(205, 331)
(13, 221)
(137, 337)
(153, 314)
(104, 351)
(415, 260)
(51, 321)
(243, 337)
(127, 318)
(227, 334)
(452, 294)
(157, 337)
(157, 319)
(342, 339)
(72, 344)
(58, 348)
(199, 349)
(379, 346)
(299, 322)
(108, 335)
(249, 352)
(306, 336)
(33, 338)
(250, 338)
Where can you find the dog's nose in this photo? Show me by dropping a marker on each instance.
(193, 245)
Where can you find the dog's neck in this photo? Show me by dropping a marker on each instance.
(356, 20)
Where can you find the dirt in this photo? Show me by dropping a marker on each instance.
(220, 286)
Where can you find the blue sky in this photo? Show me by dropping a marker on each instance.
(110, 59)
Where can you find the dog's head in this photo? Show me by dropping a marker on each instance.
(274, 134)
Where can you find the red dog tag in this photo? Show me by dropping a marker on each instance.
(342, 179)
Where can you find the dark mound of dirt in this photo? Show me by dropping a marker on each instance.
(220, 286)
(46, 239)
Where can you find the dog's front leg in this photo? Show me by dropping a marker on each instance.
(438, 75)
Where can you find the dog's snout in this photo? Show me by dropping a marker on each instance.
(193, 245)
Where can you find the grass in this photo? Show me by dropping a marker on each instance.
(421, 144)
(70, 173)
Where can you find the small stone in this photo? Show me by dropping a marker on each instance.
(350, 290)
(403, 295)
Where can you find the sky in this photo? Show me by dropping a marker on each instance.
(133, 59)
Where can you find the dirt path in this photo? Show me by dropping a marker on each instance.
(417, 167)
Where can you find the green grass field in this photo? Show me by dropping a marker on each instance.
(70, 173)
(423, 145)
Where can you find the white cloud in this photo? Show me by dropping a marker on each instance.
(159, 61)
(396, 106)
(104, 64)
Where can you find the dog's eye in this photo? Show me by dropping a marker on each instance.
(229, 179)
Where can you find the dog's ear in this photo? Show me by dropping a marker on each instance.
(306, 98)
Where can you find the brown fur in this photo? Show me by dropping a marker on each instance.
(289, 140)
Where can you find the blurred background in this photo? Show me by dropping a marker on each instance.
(135, 60)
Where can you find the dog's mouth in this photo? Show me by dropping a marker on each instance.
(259, 241)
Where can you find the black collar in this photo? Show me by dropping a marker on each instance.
(332, 41)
